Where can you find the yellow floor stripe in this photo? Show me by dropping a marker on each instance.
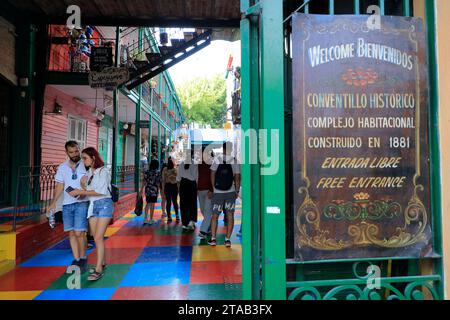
(217, 253)
(19, 295)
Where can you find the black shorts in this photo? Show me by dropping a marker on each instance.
(151, 199)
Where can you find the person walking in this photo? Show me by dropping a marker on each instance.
(151, 183)
(96, 185)
(187, 178)
(74, 209)
(205, 193)
(170, 189)
(225, 177)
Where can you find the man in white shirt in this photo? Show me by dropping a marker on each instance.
(226, 180)
(74, 210)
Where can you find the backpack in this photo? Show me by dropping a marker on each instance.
(224, 177)
(114, 192)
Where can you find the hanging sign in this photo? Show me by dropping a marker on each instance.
(360, 138)
(109, 78)
(101, 58)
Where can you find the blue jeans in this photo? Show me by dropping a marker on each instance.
(75, 216)
(103, 208)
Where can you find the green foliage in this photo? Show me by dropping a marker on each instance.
(204, 100)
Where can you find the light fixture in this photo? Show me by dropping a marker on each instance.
(57, 109)
(101, 115)
(125, 126)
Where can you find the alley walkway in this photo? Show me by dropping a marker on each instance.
(159, 262)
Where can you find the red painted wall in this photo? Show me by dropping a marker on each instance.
(55, 127)
(59, 54)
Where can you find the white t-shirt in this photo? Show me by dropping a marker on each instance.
(100, 183)
(190, 174)
(235, 167)
(65, 174)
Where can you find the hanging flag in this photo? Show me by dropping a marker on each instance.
(229, 65)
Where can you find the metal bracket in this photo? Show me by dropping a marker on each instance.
(253, 11)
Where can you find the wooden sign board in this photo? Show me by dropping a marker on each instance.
(360, 144)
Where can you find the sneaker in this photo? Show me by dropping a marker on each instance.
(191, 225)
(74, 263)
(90, 245)
(212, 242)
(185, 228)
(203, 235)
(227, 243)
(239, 234)
(83, 265)
(177, 218)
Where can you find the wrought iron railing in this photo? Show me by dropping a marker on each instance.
(35, 189)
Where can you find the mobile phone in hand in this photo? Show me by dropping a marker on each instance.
(69, 189)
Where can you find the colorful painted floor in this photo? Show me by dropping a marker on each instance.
(159, 262)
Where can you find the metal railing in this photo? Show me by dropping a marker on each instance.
(35, 189)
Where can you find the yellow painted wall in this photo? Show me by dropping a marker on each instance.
(443, 47)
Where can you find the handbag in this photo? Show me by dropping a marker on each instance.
(139, 206)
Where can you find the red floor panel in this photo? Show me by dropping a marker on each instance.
(171, 241)
(30, 279)
(117, 255)
(128, 241)
(206, 272)
(152, 293)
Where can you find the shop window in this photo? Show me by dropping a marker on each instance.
(77, 131)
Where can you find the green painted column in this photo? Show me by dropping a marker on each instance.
(251, 184)
(137, 140)
(150, 138)
(434, 144)
(273, 211)
(159, 142)
(23, 100)
(116, 129)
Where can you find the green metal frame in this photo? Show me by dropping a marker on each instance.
(262, 104)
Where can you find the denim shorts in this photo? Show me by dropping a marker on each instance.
(75, 216)
(103, 208)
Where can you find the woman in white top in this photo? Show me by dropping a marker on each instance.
(187, 179)
(96, 185)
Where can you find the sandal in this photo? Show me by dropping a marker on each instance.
(95, 276)
(92, 270)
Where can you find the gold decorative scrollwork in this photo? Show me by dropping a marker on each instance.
(361, 234)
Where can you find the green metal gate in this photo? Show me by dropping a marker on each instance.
(269, 270)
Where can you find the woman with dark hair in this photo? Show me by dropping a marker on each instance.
(151, 183)
(170, 189)
(96, 186)
(187, 178)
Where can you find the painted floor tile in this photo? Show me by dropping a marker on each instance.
(165, 254)
(160, 262)
(117, 255)
(204, 272)
(112, 278)
(77, 294)
(157, 274)
(217, 253)
(215, 292)
(171, 240)
(30, 279)
(19, 295)
(50, 258)
(179, 292)
(128, 241)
